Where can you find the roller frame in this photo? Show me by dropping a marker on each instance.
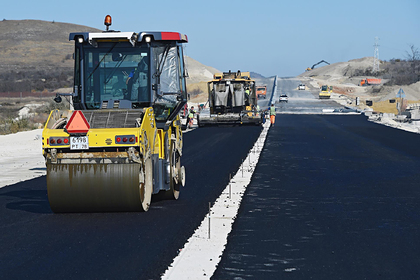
(229, 119)
(107, 177)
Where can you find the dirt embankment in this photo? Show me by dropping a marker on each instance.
(345, 79)
(198, 76)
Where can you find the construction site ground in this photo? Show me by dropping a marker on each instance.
(339, 75)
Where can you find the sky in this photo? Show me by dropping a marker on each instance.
(269, 37)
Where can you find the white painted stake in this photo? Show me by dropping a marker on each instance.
(209, 217)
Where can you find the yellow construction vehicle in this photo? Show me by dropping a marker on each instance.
(121, 140)
(313, 66)
(325, 92)
(232, 100)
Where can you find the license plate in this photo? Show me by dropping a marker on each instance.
(79, 143)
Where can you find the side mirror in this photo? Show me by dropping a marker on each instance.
(117, 56)
(58, 99)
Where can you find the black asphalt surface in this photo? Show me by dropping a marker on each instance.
(332, 197)
(36, 244)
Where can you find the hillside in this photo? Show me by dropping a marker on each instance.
(345, 78)
(37, 55)
(198, 72)
(198, 75)
(37, 43)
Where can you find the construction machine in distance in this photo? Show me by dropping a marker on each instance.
(313, 66)
(370, 82)
(261, 92)
(232, 100)
(121, 140)
(325, 92)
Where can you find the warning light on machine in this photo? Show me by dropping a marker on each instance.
(125, 139)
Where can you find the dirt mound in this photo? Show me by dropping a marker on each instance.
(345, 78)
(198, 72)
(412, 92)
(198, 76)
(340, 70)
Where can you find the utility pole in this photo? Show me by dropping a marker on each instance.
(376, 56)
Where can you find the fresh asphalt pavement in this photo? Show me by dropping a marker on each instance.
(37, 244)
(332, 197)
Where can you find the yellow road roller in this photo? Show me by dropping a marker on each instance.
(325, 92)
(121, 140)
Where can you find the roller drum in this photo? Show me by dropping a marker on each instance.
(94, 187)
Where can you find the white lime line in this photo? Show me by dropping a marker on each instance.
(203, 250)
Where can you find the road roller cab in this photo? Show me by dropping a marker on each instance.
(121, 140)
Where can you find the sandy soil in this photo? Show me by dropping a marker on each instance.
(21, 157)
(198, 72)
(340, 76)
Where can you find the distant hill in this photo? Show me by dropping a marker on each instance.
(37, 43)
(37, 55)
(256, 76)
(393, 72)
(341, 69)
(198, 72)
(345, 78)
